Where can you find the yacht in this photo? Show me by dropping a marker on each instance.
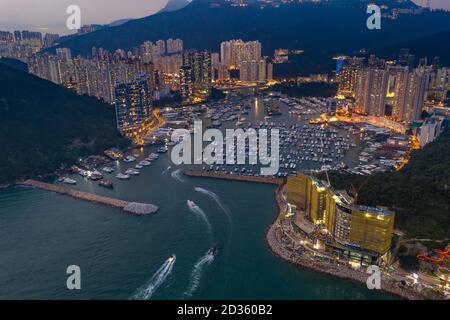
(69, 181)
(108, 169)
(132, 172)
(129, 159)
(122, 176)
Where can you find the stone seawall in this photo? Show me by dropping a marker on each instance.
(233, 177)
(131, 207)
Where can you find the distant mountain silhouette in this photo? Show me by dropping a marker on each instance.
(174, 5)
(322, 30)
(430, 46)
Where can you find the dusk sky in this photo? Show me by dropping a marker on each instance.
(50, 15)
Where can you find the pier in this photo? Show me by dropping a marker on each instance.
(227, 176)
(131, 207)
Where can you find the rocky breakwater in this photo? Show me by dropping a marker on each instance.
(130, 207)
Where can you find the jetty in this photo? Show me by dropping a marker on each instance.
(130, 207)
(234, 177)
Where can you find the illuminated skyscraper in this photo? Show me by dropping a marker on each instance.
(133, 104)
(371, 90)
(195, 73)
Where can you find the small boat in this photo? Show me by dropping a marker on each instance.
(122, 176)
(172, 259)
(129, 159)
(106, 184)
(162, 150)
(138, 166)
(132, 172)
(145, 163)
(191, 204)
(108, 169)
(212, 251)
(95, 176)
(69, 181)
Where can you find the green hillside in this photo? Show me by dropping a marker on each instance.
(43, 125)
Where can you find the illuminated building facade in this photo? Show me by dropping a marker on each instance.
(195, 74)
(133, 105)
(350, 226)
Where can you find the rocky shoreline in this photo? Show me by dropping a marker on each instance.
(387, 285)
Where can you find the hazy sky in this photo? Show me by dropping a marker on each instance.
(50, 15)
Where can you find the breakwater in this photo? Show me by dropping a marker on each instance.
(131, 207)
(233, 177)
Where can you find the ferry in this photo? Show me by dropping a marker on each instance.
(122, 176)
(69, 181)
(191, 204)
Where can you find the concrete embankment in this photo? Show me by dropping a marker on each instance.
(131, 207)
(233, 177)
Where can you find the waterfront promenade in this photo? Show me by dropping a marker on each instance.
(131, 207)
(233, 177)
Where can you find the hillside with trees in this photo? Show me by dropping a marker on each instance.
(43, 126)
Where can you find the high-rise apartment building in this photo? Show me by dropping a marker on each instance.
(133, 104)
(371, 90)
(195, 73)
(234, 52)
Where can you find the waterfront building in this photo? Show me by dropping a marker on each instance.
(133, 105)
(361, 233)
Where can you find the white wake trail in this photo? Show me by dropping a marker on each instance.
(146, 292)
(201, 214)
(197, 272)
(177, 176)
(217, 200)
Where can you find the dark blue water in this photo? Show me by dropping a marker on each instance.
(42, 233)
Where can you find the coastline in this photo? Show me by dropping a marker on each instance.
(387, 286)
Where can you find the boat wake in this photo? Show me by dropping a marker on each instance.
(197, 272)
(217, 200)
(177, 176)
(200, 214)
(146, 291)
(165, 170)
